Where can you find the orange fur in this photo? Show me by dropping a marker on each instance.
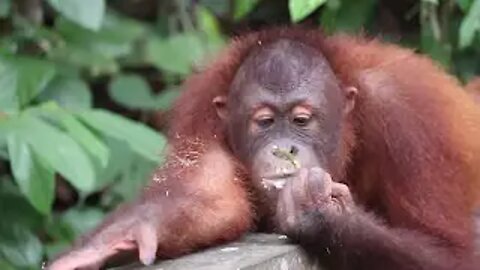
(417, 161)
(212, 201)
(473, 87)
(412, 153)
(429, 135)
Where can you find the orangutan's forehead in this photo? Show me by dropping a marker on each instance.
(281, 66)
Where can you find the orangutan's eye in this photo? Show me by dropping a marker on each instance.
(302, 120)
(265, 122)
(263, 118)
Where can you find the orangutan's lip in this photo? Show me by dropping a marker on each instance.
(277, 181)
(283, 175)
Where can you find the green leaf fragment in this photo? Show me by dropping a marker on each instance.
(35, 180)
(57, 150)
(131, 91)
(300, 9)
(69, 93)
(5, 8)
(286, 155)
(87, 13)
(20, 246)
(176, 54)
(21, 80)
(241, 8)
(470, 25)
(140, 138)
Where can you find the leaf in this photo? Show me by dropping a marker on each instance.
(20, 246)
(116, 166)
(430, 35)
(176, 54)
(58, 231)
(4, 265)
(54, 249)
(82, 220)
(98, 50)
(470, 25)
(165, 99)
(79, 132)
(209, 25)
(464, 4)
(73, 223)
(467, 66)
(74, 128)
(115, 29)
(141, 139)
(8, 83)
(87, 13)
(57, 150)
(23, 214)
(133, 178)
(242, 7)
(5, 8)
(349, 16)
(78, 56)
(115, 38)
(219, 7)
(22, 79)
(300, 9)
(69, 93)
(131, 91)
(35, 180)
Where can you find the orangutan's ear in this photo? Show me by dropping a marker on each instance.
(220, 103)
(351, 96)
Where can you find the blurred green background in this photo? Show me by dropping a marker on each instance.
(85, 86)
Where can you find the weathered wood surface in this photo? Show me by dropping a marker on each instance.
(253, 252)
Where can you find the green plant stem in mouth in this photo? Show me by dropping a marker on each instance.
(286, 155)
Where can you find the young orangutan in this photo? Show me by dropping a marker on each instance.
(364, 153)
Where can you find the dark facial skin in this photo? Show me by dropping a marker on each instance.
(283, 115)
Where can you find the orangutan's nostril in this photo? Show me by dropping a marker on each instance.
(294, 150)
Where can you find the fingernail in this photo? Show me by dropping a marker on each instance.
(147, 259)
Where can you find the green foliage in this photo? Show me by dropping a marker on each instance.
(73, 223)
(5, 7)
(132, 91)
(208, 26)
(144, 141)
(299, 9)
(242, 7)
(34, 179)
(443, 34)
(86, 13)
(470, 25)
(347, 16)
(177, 53)
(68, 159)
(68, 93)
(79, 85)
(21, 79)
(20, 248)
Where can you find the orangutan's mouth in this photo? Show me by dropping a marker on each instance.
(277, 181)
(282, 175)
